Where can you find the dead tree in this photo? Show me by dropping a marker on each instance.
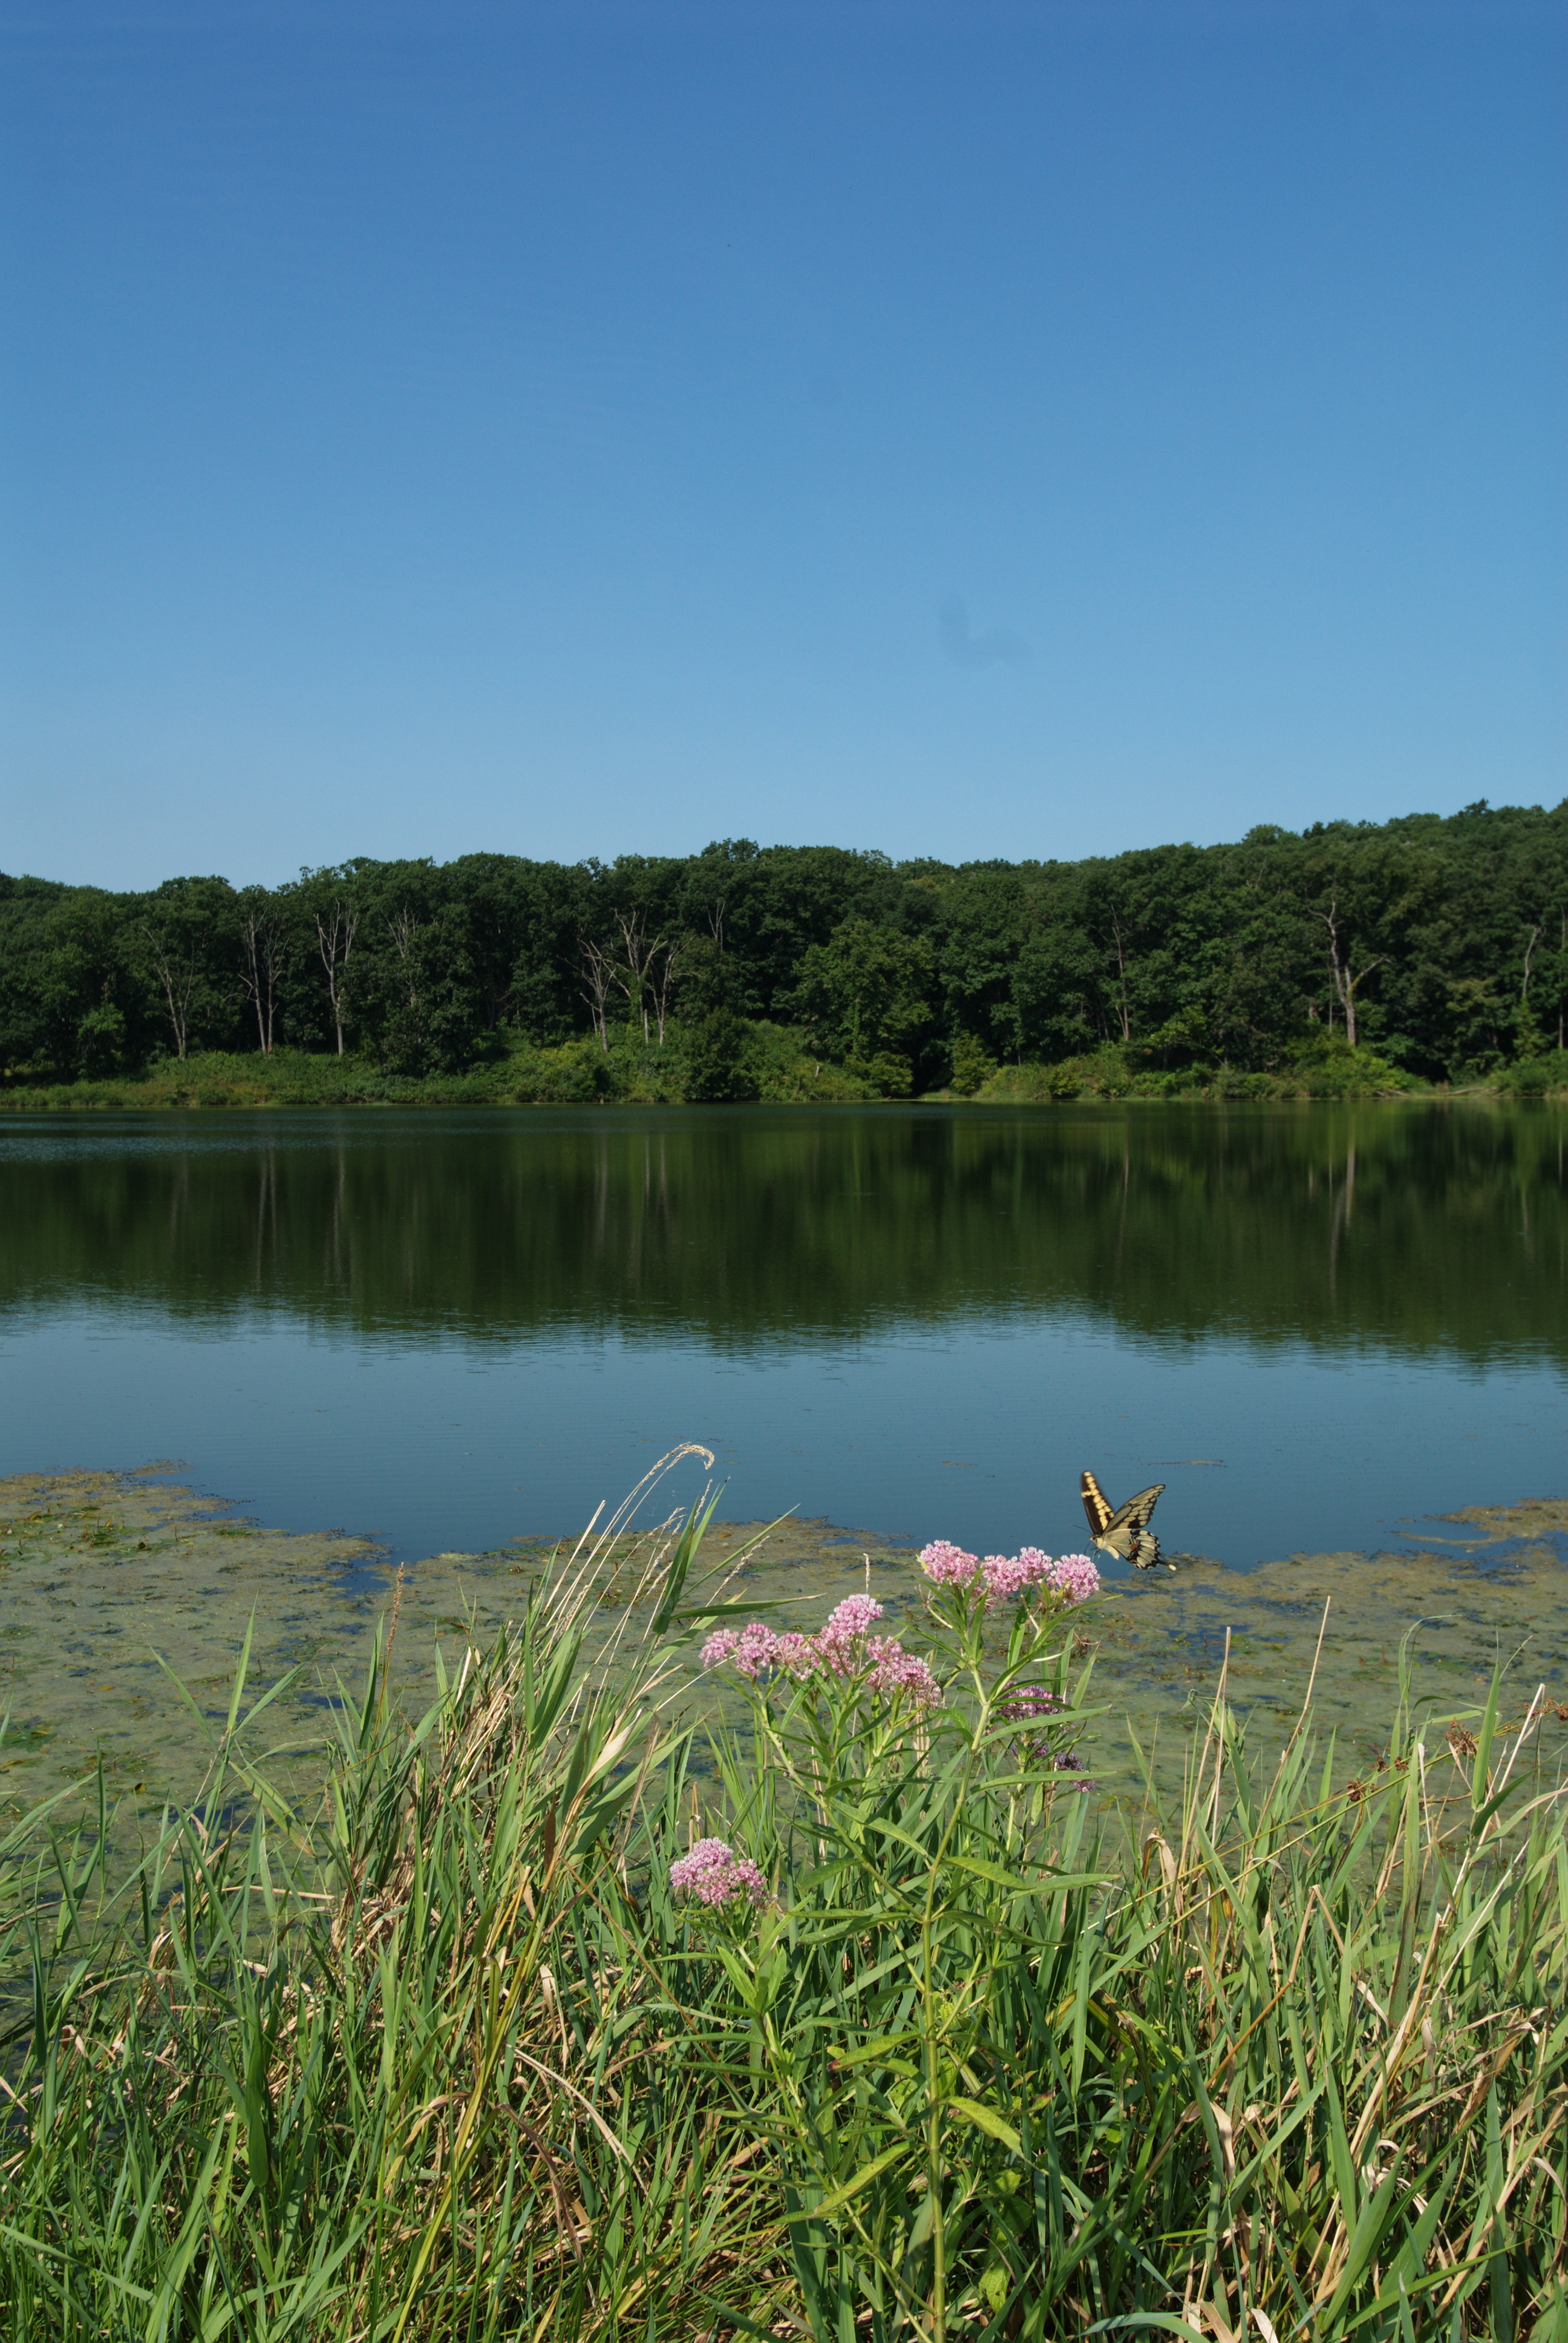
(261, 964)
(662, 985)
(1345, 980)
(598, 973)
(177, 978)
(633, 975)
(334, 937)
(1122, 978)
(403, 926)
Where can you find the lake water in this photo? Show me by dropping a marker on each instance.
(1317, 1325)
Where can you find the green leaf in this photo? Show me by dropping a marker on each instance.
(856, 2056)
(1041, 1882)
(987, 2120)
(837, 2197)
(1165, 2320)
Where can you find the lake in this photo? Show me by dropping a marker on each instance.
(440, 1330)
(434, 1333)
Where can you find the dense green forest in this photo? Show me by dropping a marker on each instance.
(1351, 956)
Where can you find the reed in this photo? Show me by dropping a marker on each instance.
(444, 2053)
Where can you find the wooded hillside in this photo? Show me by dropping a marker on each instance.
(1438, 945)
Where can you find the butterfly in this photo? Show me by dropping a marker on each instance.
(1125, 1532)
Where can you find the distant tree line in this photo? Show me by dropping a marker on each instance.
(1440, 945)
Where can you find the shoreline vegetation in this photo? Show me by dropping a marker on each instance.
(115, 1587)
(1350, 959)
(769, 1065)
(544, 2011)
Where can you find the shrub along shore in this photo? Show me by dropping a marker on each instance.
(557, 2014)
(764, 1063)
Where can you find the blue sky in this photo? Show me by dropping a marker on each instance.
(972, 430)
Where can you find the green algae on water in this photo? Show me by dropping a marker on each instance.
(112, 1586)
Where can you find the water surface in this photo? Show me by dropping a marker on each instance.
(1317, 1325)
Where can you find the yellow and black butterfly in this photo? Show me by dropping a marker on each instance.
(1124, 1531)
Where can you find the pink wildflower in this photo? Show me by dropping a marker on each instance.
(840, 1646)
(1024, 1704)
(949, 1565)
(1030, 1700)
(1007, 1576)
(895, 1672)
(1074, 1575)
(752, 1650)
(853, 1617)
(843, 1648)
(714, 1873)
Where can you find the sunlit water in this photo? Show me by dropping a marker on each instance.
(1316, 1325)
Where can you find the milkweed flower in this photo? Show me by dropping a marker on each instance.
(1025, 1704)
(840, 1645)
(750, 1650)
(896, 1672)
(843, 1648)
(853, 1617)
(714, 1874)
(1030, 1700)
(949, 1565)
(795, 1654)
(1076, 1577)
(1006, 1577)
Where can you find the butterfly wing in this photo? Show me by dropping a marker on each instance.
(1094, 1505)
(1134, 1514)
(1124, 1531)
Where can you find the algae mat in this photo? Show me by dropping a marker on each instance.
(126, 1600)
(113, 1586)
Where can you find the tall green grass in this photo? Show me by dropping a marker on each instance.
(439, 2054)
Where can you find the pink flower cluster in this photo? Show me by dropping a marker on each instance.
(1006, 1577)
(1025, 1706)
(714, 1874)
(845, 1647)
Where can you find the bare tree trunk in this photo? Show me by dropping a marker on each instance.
(403, 927)
(1122, 978)
(1529, 952)
(633, 980)
(260, 942)
(661, 989)
(250, 974)
(1345, 982)
(599, 974)
(334, 937)
(178, 982)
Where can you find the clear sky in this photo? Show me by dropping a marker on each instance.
(950, 426)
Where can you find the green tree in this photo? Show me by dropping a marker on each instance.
(866, 992)
(186, 942)
(715, 1056)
